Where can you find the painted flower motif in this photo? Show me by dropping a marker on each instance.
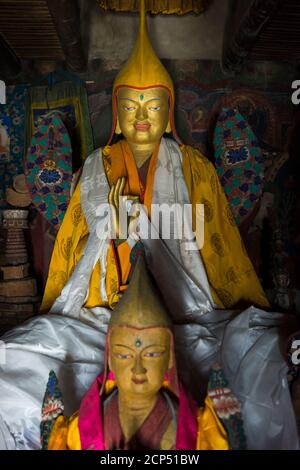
(237, 155)
(52, 409)
(226, 405)
(50, 177)
(49, 164)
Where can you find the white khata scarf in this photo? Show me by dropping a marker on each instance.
(169, 188)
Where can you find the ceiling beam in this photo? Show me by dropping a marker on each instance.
(66, 17)
(10, 62)
(246, 21)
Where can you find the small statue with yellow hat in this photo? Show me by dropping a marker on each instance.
(138, 402)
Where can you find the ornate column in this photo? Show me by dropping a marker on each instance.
(18, 289)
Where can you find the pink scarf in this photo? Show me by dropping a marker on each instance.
(90, 420)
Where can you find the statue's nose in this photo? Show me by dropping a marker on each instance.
(141, 113)
(138, 368)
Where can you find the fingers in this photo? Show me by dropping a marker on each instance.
(134, 206)
(114, 195)
(111, 195)
(117, 193)
(114, 218)
(115, 223)
(122, 185)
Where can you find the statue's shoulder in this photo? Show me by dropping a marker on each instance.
(94, 155)
(102, 153)
(196, 157)
(101, 159)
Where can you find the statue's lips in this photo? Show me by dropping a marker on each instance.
(142, 127)
(138, 381)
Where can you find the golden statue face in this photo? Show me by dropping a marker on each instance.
(139, 359)
(143, 115)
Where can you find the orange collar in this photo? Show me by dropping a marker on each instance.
(123, 164)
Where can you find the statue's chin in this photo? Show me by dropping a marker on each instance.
(142, 137)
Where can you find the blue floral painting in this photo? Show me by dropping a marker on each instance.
(237, 155)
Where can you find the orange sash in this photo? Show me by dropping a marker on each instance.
(122, 163)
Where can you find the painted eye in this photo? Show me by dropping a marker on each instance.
(154, 108)
(129, 108)
(123, 356)
(153, 354)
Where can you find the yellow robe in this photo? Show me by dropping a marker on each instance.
(230, 272)
(211, 434)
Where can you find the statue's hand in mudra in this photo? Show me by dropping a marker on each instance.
(122, 207)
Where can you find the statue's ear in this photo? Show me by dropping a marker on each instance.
(169, 128)
(118, 128)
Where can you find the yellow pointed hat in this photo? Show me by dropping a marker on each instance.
(143, 70)
(141, 305)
